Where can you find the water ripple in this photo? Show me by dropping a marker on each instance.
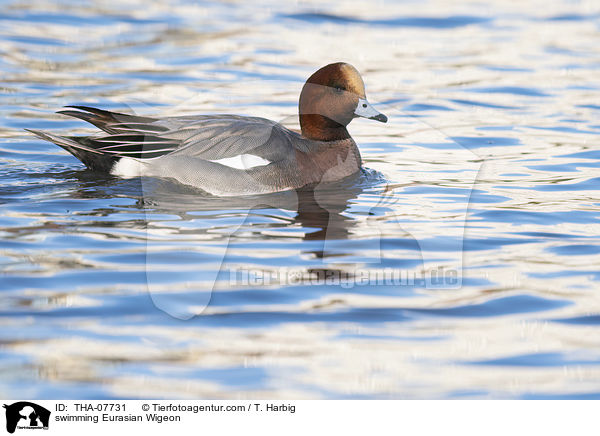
(487, 167)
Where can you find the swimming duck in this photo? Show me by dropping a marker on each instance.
(228, 154)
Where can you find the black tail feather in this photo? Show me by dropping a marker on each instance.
(128, 136)
(75, 145)
(110, 122)
(90, 118)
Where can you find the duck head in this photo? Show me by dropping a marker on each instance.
(330, 99)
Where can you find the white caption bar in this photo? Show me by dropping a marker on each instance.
(264, 417)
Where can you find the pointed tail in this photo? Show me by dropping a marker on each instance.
(93, 159)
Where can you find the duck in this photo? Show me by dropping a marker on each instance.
(232, 155)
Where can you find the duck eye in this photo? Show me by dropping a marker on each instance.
(338, 89)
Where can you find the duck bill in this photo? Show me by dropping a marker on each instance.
(365, 110)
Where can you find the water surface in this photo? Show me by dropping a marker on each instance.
(487, 167)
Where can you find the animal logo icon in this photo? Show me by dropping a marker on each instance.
(24, 414)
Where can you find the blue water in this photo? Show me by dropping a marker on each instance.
(482, 190)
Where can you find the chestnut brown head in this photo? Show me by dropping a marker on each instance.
(330, 99)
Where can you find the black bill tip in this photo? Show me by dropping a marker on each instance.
(379, 117)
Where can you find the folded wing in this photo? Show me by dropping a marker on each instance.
(209, 137)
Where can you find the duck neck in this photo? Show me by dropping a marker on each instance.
(321, 128)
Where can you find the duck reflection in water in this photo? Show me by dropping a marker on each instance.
(210, 236)
(319, 209)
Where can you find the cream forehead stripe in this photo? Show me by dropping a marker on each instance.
(354, 78)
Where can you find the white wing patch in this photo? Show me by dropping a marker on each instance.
(243, 161)
(128, 167)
